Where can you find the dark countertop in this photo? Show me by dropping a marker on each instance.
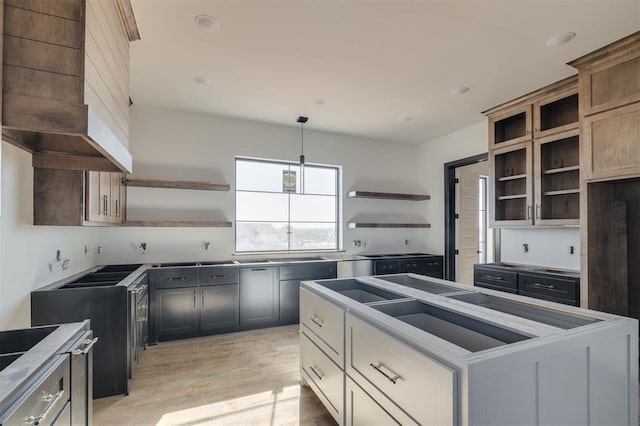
(17, 376)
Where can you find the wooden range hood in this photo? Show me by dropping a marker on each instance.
(65, 78)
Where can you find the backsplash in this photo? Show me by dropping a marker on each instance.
(544, 247)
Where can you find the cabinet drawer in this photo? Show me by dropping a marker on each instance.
(425, 388)
(48, 395)
(563, 290)
(324, 323)
(363, 409)
(381, 267)
(326, 378)
(433, 266)
(171, 278)
(212, 276)
(495, 279)
(316, 271)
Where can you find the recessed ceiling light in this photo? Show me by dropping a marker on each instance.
(459, 91)
(561, 38)
(406, 119)
(201, 79)
(207, 23)
(319, 101)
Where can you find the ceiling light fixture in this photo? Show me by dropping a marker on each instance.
(561, 38)
(460, 91)
(302, 120)
(207, 23)
(201, 79)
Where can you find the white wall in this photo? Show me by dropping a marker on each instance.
(27, 252)
(547, 246)
(170, 144)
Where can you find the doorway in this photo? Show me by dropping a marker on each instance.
(468, 239)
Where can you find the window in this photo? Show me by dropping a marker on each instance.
(277, 209)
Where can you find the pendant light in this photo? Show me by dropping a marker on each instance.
(302, 120)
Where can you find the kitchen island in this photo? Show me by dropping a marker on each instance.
(416, 350)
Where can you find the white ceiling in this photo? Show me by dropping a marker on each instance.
(374, 62)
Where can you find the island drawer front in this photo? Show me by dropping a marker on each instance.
(381, 267)
(316, 271)
(363, 409)
(563, 290)
(421, 385)
(172, 278)
(212, 276)
(324, 376)
(48, 396)
(325, 323)
(495, 278)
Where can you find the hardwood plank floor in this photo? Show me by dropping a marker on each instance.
(247, 378)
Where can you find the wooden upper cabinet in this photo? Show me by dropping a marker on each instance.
(94, 203)
(510, 126)
(556, 113)
(66, 81)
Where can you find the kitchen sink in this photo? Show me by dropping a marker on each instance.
(359, 291)
(419, 284)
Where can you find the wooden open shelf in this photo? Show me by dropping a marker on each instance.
(387, 225)
(560, 170)
(388, 196)
(514, 177)
(512, 197)
(562, 192)
(176, 184)
(176, 224)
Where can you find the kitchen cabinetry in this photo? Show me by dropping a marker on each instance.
(259, 298)
(77, 198)
(535, 158)
(220, 307)
(138, 320)
(426, 265)
(290, 277)
(530, 281)
(176, 312)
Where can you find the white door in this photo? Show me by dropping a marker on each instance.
(467, 224)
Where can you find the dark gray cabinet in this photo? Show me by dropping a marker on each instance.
(290, 277)
(431, 266)
(219, 307)
(259, 297)
(289, 300)
(176, 313)
(495, 278)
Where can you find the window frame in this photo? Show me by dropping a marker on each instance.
(337, 196)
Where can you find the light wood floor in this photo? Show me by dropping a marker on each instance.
(248, 378)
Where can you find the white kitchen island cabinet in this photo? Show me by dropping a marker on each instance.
(420, 350)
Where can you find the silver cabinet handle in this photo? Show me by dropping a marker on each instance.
(537, 211)
(88, 344)
(317, 372)
(317, 321)
(202, 299)
(393, 378)
(218, 276)
(142, 319)
(528, 211)
(258, 269)
(52, 400)
(177, 278)
(540, 285)
(492, 277)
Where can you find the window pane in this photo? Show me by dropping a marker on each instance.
(313, 208)
(252, 236)
(319, 180)
(313, 236)
(259, 176)
(260, 206)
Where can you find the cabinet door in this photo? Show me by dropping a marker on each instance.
(382, 267)
(176, 313)
(434, 266)
(611, 143)
(363, 409)
(556, 113)
(105, 196)
(116, 202)
(289, 300)
(259, 301)
(511, 126)
(219, 307)
(510, 185)
(93, 201)
(557, 179)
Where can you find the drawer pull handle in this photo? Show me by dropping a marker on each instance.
(316, 372)
(142, 319)
(393, 378)
(540, 285)
(88, 344)
(492, 277)
(52, 400)
(177, 278)
(317, 321)
(218, 276)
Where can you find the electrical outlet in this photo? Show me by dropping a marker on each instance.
(408, 242)
(357, 243)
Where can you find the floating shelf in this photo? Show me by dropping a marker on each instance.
(513, 177)
(511, 197)
(561, 170)
(177, 184)
(387, 225)
(388, 196)
(562, 192)
(176, 224)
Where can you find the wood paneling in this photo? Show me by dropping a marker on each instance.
(58, 197)
(41, 27)
(176, 184)
(25, 112)
(69, 9)
(128, 19)
(43, 56)
(617, 84)
(42, 84)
